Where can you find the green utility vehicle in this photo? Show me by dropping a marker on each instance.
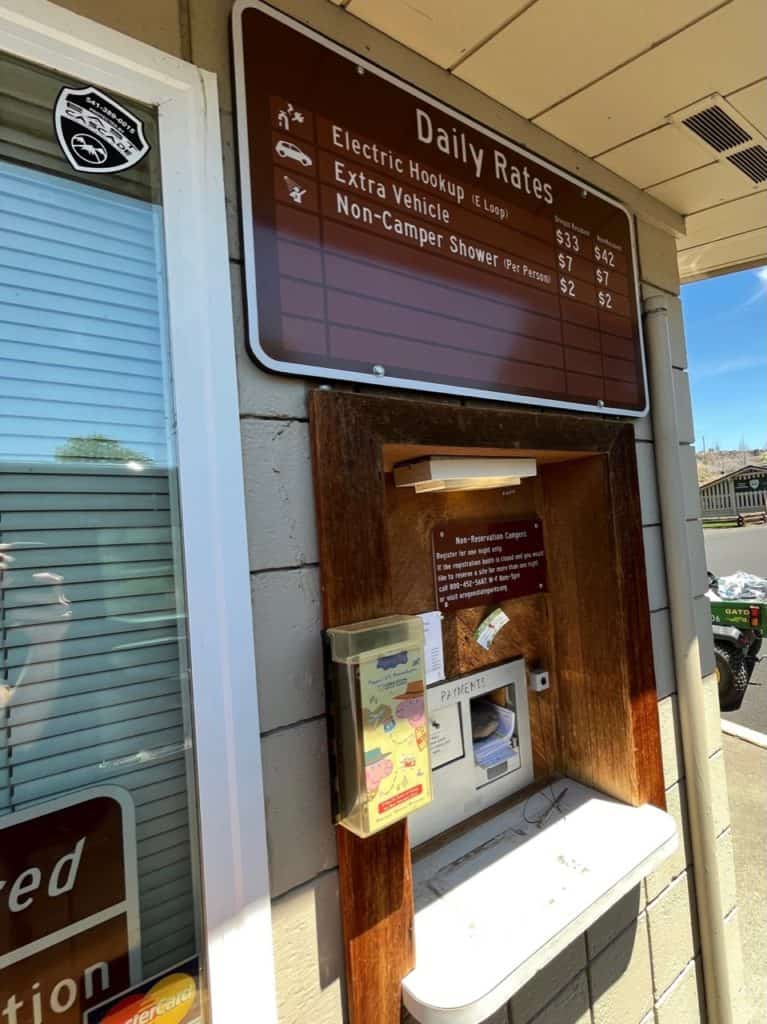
(739, 627)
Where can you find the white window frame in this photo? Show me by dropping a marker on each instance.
(235, 884)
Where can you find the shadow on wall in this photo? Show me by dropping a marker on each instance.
(329, 942)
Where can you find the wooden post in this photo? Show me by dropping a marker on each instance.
(377, 911)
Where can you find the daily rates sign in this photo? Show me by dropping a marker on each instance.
(390, 240)
(68, 907)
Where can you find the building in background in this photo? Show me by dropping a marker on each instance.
(741, 491)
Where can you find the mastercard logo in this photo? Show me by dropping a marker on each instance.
(167, 1002)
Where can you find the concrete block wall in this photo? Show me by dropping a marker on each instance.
(641, 962)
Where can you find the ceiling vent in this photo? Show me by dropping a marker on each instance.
(726, 136)
(717, 128)
(753, 163)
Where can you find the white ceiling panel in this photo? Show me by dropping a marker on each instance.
(652, 158)
(604, 77)
(727, 254)
(442, 30)
(752, 103)
(726, 220)
(555, 48)
(707, 186)
(721, 53)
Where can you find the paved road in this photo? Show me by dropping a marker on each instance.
(742, 547)
(746, 771)
(727, 551)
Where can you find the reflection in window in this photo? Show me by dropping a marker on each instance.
(93, 679)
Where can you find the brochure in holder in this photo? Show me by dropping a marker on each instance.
(379, 733)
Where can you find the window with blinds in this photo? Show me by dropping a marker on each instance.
(93, 677)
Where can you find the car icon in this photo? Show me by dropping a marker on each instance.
(290, 151)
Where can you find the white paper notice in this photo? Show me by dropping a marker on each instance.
(445, 736)
(434, 657)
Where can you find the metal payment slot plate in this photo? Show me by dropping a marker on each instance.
(470, 773)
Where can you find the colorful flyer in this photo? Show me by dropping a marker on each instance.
(395, 736)
(172, 997)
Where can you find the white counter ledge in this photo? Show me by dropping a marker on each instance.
(499, 901)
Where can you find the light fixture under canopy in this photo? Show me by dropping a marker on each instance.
(462, 473)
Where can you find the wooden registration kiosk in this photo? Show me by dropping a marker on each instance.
(597, 723)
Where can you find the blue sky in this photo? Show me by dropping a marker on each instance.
(725, 320)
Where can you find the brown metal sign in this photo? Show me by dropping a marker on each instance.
(68, 906)
(388, 239)
(479, 562)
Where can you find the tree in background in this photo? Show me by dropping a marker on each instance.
(743, 447)
(98, 448)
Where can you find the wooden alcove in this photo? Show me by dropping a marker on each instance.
(598, 723)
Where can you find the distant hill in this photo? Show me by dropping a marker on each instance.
(714, 464)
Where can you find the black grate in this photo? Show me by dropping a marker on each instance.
(717, 128)
(753, 163)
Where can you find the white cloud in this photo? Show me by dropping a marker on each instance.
(761, 288)
(725, 366)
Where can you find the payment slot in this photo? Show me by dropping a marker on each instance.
(480, 745)
(377, 716)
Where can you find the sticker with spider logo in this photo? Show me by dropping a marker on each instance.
(96, 133)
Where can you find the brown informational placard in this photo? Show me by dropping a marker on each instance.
(390, 239)
(68, 906)
(478, 562)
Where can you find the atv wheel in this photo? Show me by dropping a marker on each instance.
(732, 676)
(751, 658)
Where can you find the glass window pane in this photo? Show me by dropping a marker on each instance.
(98, 846)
